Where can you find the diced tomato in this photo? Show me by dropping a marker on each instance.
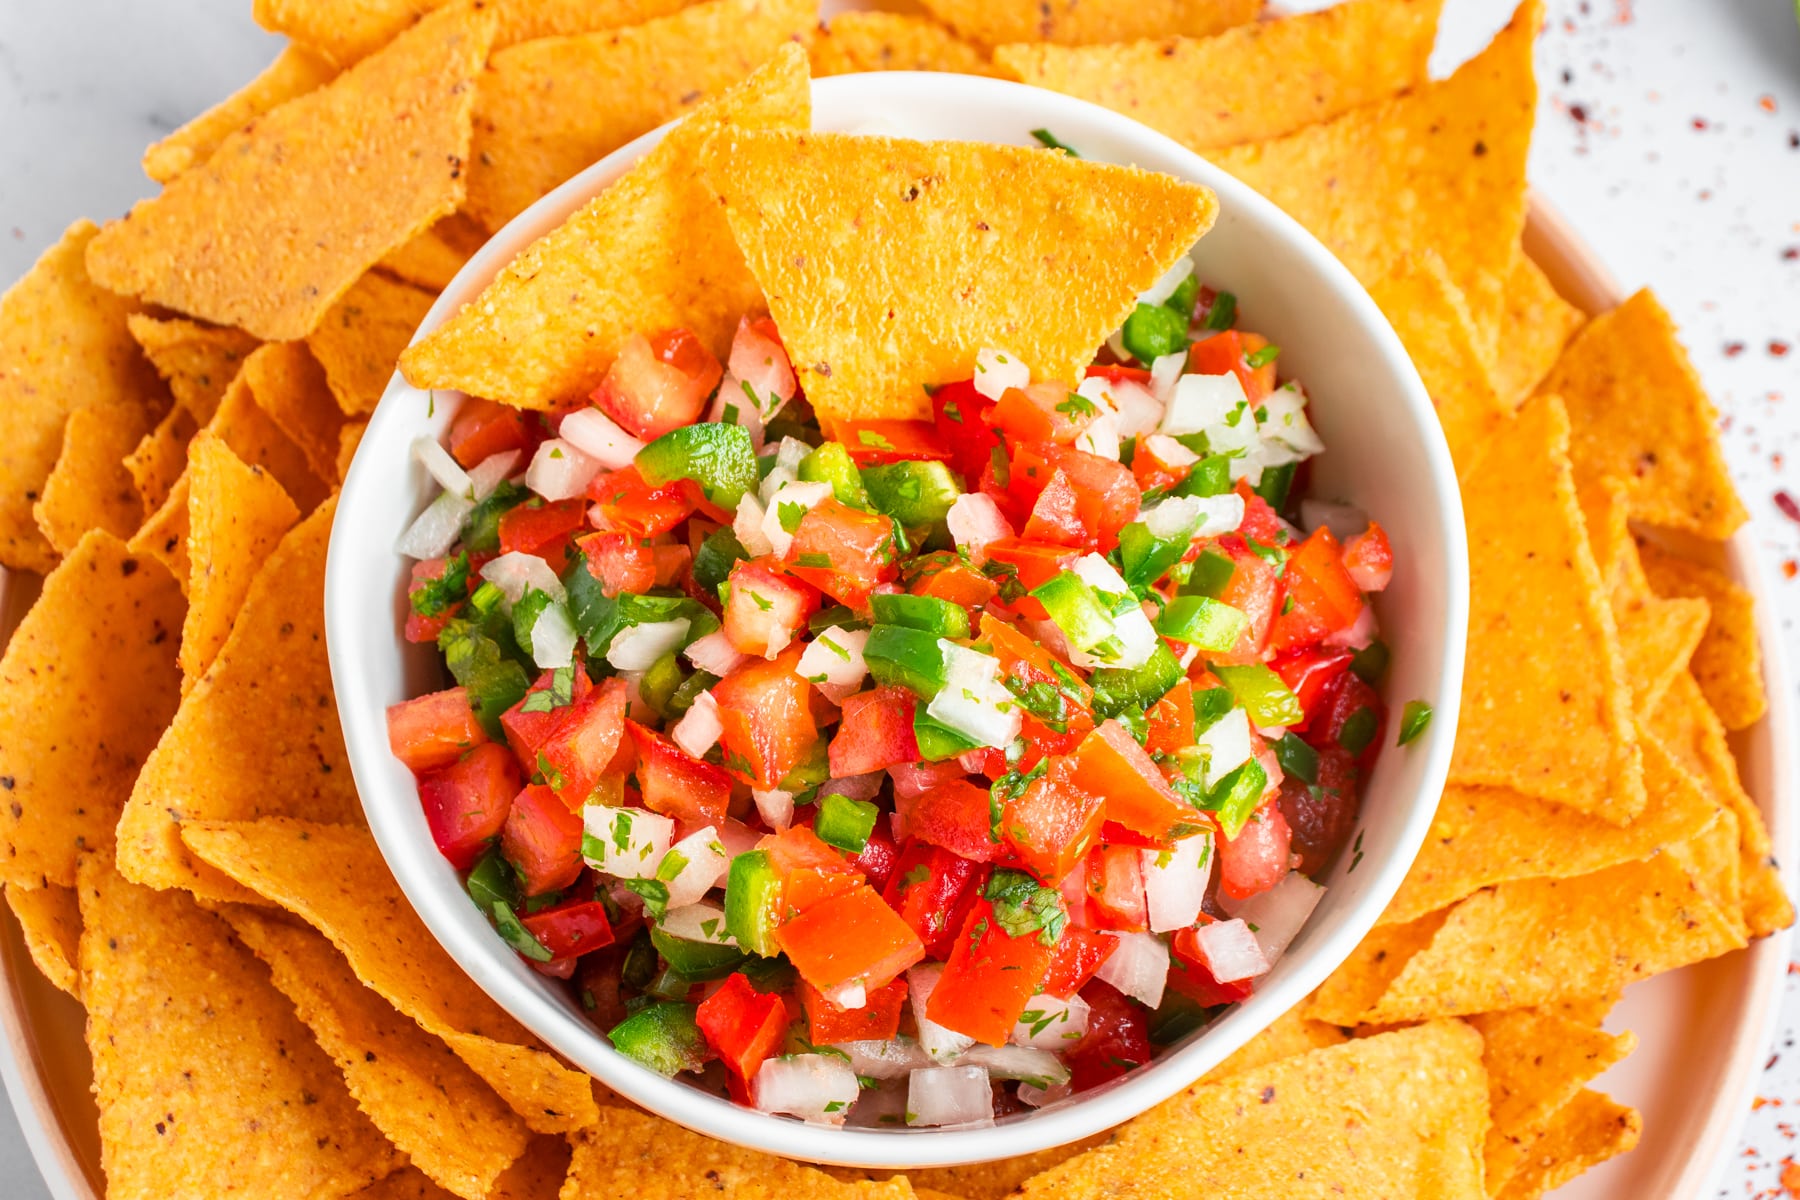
(850, 938)
(1261, 522)
(767, 606)
(767, 717)
(620, 561)
(483, 429)
(1040, 413)
(1117, 1040)
(798, 848)
(1189, 974)
(959, 413)
(878, 1019)
(624, 502)
(1113, 373)
(1228, 352)
(926, 887)
(875, 732)
(1036, 563)
(915, 779)
(873, 442)
(1321, 816)
(676, 784)
(542, 840)
(1170, 721)
(1056, 516)
(879, 854)
(1343, 699)
(420, 628)
(1254, 590)
(672, 564)
(954, 815)
(805, 887)
(1107, 497)
(543, 528)
(571, 929)
(988, 979)
(1110, 763)
(1050, 825)
(1257, 858)
(1370, 559)
(1151, 472)
(1309, 674)
(743, 1025)
(857, 546)
(946, 577)
(433, 730)
(658, 383)
(1321, 598)
(582, 746)
(1115, 883)
(527, 731)
(466, 802)
(759, 359)
(1027, 661)
(1079, 953)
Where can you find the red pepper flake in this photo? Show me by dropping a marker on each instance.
(1700, 124)
(1791, 510)
(1733, 349)
(1778, 348)
(1789, 569)
(1791, 254)
(1790, 1177)
(1766, 102)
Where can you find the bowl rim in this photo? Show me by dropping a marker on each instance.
(1096, 1111)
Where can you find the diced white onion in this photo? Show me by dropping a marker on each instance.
(850, 997)
(939, 1043)
(699, 728)
(699, 922)
(1038, 1097)
(804, 496)
(855, 787)
(997, 370)
(1041, 1068)
(515, 572)
(975, 521)
(748, 526)
(1229, 950)
(715, 654)
(1168, 281)
(880, 1107)
(1175, 882)
(559, 471)
(774, 806)
(435, 530)
(738, 837)
(1175, 517)
(973, 701)
(1277, 915)
(553, 637)
(1051, 1023)
(949, 1096)
(777, 478)
(1139, 967)
(706, 864)
(1170, 452)
(630, 842)
(1101, 437)
(790, 454)
(594, 434)
(1226, 745)
(1283, 420)
(1139, 410)
(889, 1058)
(1202, 402)
(637, 647)
(486, 475)
(734, 406)
(1344, 520)
(833, 662)
(1164, 373)
(817, 1088)
(442, 467)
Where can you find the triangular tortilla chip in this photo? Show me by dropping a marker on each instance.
(1545, 710)
(349, 438)
(1584, 1133)
(378, 154)
(63, 346)
(549, 108)
(161, 457)
(90, 487)
(1728, 661)
(1293, 1033)
(50, 920)
(1639, 414)
(237, 514)
(650, 252)
(360, 340)
(974, 1181)
(1442, 168)
(1537, 1062)
(889, 264)
(254, 434)
(289, 385)
(447, 1121)
(1081, 22)
(1398, 1114)
(333, 876)
(344, 31)
(884, 41)
(1221, 91)
(1362, 978)
(1429, 313)
(208, 1084)
(164, 533)
(257, 735)
(432, 259)
(86, 685)
(1538, 324)
(198, 361)
(537, 1175)
(295, 72)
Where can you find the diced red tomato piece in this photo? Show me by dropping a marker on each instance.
(767, 606)
(1107, 496)
(624, 502)
(1321, 598)
(1079, 953)
(946, 577)
(1115, 883)
(879, 854)
(874, 442)
(1050, 825)
(1114, 373)
(466, 802)
(1321, 816)
(1257, 858)
(959, 413)
(1056, 516)
(582, 746)
(1040, 413)
(1117, 1040)
(988, 979)
(765, 708)
(1151, 472)
(658, 383)
(925, 888)
(744, 1026)
(1342, 700)
(954, 815)
(1370, 559)
(542, 839)
(859, 547)
(434, 730)
(1029, 663)
(850, 938)
(1170, 721)
(875, 733)
(878, 1019)
(672, 564)
(543, 528)
(1309, 674)
(915, 779)
(1110, 763)
(483, 429)
(798, 848)
(620, 561)
(1036, 563)
(571, 929)
(804, 887)
(1254, 590)
(1261, 522)
(676, 784)
(527, 731)
(420, 628)
(1189, 974)
(1229, 352)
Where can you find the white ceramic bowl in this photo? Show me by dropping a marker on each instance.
(1385, 453)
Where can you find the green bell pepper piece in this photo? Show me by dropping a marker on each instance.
(1276, 483)
(716, 556)
(1202, 622)
(1296, 758)
(481, 528)
(1117, 689)
(831, 463)
(1153, 330)
(1211, 476)
(1236, 796)
(660, 682)
(928, 614)
(1211, 572)
(905, 657)
(845, 823)
(696, 960)
(937, 741)
(514, 934)
(1263, 695)
(1076, 609)
(718, 457)
(483, 658)
(492, 882)
(664, 1037)
(752, 902)
(1144, 558)
(913, 493)
(1181, 300)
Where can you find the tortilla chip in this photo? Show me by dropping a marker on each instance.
(236, 516)
(1537, 1062)
(1545, 710)
(1442, 167)
(1728, 661)
(1293, 1033)
(198, 361)
(888, 263)
(333, 876)
(1484, 836)
(1696, 737)
(537, 1175)
(289, 386)
(164, 533)
(1212, 92)
(551, 107)
(63, 346)
(1365, 976)
(347, 30)
(349, 438)
(377, 154)
(881, 41)
(360, 340)
(974, 1181)
(257, 734)
(1430, 315)
(90, 487)
(447, 1121)
(161, 457)
(649, 252)
(256, 436)
(1081, 22)
(208, 1083)
(50, 920)
(1532, 941)
(432, 259)
(630, 1153)
(1399, 1114)
(1640, 415)
(1538, 324)
(86, 684)
(295, 72)
(1590, 1129)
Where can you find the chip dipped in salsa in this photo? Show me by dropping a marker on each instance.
(900, 771)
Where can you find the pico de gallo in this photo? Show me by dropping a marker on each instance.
(909, 772)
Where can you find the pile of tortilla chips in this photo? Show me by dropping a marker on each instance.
(180, 392)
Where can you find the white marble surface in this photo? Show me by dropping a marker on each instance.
(1669, 134)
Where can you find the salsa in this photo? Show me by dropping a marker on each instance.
(909, 772)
